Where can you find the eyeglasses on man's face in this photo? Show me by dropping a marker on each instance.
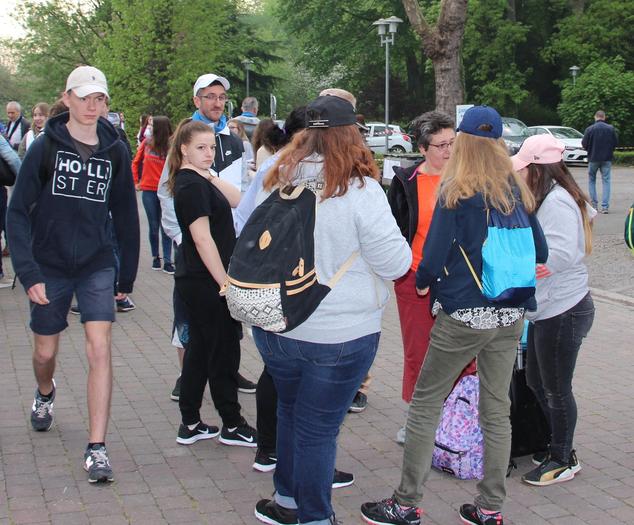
(215, 98)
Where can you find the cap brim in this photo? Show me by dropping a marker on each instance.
(518, 163)
(84, 91)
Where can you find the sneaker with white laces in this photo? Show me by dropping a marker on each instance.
(97, 464)
(42, 411)
(241, 436)
(200, 431)
(389, 512)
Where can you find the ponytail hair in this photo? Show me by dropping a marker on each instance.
(183, 135)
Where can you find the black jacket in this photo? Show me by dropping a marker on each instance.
(61, 215)
(403, 199)
(599, 140)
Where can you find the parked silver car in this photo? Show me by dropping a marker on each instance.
(574, 152)
(399, 141)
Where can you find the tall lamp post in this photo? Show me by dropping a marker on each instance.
(387, 29)
(574, 71)
(247, 66)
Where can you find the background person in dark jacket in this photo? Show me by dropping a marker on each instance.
(599, 140)
(60, 230)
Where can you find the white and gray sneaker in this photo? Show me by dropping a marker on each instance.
(42, 411)
(200, 431)
(97, 464)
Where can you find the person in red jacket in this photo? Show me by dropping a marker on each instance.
(146, 168)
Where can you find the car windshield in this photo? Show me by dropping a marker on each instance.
(514, 128)
(566, 133)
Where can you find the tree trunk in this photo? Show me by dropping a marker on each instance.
(442, 44)
(449, 89)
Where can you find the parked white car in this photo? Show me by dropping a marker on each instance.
(574, 152)
(399, 141)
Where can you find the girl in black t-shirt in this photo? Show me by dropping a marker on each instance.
(203, 203)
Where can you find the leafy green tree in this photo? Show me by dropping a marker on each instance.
(602, 30)
(605, 85)
(58, 37)
(492, 38)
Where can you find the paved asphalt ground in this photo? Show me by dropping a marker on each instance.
(159, 481)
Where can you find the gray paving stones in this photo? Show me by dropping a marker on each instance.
(159, 481)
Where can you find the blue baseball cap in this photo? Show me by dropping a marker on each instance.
(482, 121)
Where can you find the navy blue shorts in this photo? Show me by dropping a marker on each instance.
(95, 298)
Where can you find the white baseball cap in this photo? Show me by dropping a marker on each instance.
(85, 80)
(207, 80)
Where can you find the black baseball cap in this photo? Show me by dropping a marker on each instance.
(330, 112)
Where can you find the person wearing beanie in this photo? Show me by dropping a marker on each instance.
(477, 177)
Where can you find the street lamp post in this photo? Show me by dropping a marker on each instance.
(387, 29)
(574, 71)
(247, 65)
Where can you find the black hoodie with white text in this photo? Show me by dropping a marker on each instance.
(63, 228)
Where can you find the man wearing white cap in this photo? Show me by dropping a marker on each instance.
(230, 163)
(73, 192)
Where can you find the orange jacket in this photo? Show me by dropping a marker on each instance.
(152, 166)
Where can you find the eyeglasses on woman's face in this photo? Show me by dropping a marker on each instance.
(443, 146)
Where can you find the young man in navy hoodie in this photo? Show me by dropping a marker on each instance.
(73, 192)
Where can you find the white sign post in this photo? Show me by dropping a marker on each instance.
(461, 109)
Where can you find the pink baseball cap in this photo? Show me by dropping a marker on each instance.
(538, 149)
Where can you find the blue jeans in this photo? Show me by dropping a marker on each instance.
(606, 168)
(315, 385)
(551, 356)
(152, 207)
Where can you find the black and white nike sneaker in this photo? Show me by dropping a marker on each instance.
(241, 436)
(200, 431)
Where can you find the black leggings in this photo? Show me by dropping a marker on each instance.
(266, 404)
(213, 353)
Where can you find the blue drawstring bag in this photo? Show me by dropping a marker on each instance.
(508, 258)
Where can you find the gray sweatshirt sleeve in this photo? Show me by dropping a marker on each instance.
(168, 215)
(383, 246)
(561, 222)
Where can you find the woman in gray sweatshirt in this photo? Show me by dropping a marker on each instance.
(318, 366)
(565, 310)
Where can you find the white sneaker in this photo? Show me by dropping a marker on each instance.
(6, 281)
(400, 436)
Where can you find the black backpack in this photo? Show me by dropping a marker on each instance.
(272, 281)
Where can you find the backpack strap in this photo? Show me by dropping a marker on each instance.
(466, 258)
(342, 270)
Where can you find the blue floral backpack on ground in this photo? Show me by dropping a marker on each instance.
(459, 444)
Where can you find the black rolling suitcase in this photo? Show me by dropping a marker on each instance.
(530, 429)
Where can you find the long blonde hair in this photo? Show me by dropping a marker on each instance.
(482, 165)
